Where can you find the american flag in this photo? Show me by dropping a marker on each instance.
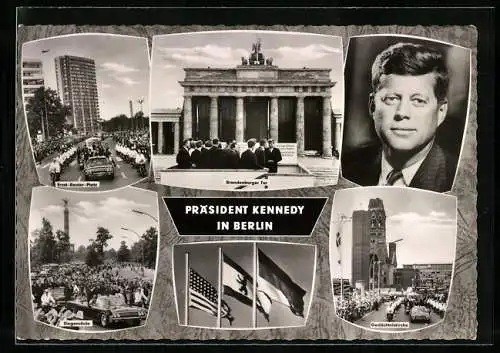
(203, 296)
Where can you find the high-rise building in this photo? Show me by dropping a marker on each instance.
(32, 76)
(77, 88)
(360, 248)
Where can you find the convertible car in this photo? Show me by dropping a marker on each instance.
(421, 314)
(97, 167)
(108, 310)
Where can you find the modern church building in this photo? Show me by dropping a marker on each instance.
(255, 99)
(372, 265)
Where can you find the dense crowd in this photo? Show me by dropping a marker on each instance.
(212, 154)
(83, 283)
(353, 307)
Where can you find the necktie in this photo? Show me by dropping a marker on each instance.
(394, 176)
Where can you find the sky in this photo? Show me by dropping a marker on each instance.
(426, 222)
(296, 260)
(89, 210)
(172, 53)
(122, 67)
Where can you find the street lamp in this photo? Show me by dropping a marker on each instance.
(140, 101)
(145, 214)
(139, 237)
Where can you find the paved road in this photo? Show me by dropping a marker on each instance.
(125, 174)
(400, 316)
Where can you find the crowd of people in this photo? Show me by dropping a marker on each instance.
(211, 154)
(85, 284)
(354, 306)
(42, 150)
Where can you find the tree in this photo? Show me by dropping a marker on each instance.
(110, 255)
(63, 246)
(150, 245)
(93, 257)
(46, 107)
(102, 239)
(43, 247)
(123, 253)
(80, 253)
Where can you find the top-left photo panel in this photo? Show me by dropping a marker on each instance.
(86, 105)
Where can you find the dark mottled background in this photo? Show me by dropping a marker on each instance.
(460, 321)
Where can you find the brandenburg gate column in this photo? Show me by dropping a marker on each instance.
(300, 125)
(176, 137)
(274, 118)
(327, 127)
(188, 118)
(160, 137)
(214, 117)
(239, 120)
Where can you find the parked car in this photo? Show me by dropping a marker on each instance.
(108, 310)
(420, 314)
(98, 167)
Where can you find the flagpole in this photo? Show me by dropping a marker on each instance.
(186, 301)
(219, 290)
(254, 287)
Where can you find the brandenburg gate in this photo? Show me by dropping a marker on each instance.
(256, 99)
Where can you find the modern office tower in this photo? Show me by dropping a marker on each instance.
(77, 88)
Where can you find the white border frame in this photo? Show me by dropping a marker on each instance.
(331, 257)
(44, 187)
(26, 116)
(312, 290)
(466, 122)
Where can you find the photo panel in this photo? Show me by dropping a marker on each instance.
(283, 290)
(87, 109)
(229, 108)
(92, 258)
(407, 102)
(392, 254)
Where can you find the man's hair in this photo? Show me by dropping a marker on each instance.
(251, 143)
(232, 145)
(199, 143)
(262, 142)
(185, 141)
(412, 59)
(215, 141)
(208, 143)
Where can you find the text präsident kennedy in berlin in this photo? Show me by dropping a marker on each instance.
(408, 103)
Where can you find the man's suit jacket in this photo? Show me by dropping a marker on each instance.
(214, 158)
(196, 158)
(275, 157)
(249, 161)
(231, 159)
(183, 159)
(260, 154)
(436, 173)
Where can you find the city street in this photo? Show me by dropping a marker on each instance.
(399, 316)
(125, 174)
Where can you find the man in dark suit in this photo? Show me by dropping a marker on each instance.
(248, 159)
(260, 153)
(204, 162)
(407, 104)
(183, 158)
(215, 155)
(196, 154)
(232, 157)
(273, 157)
